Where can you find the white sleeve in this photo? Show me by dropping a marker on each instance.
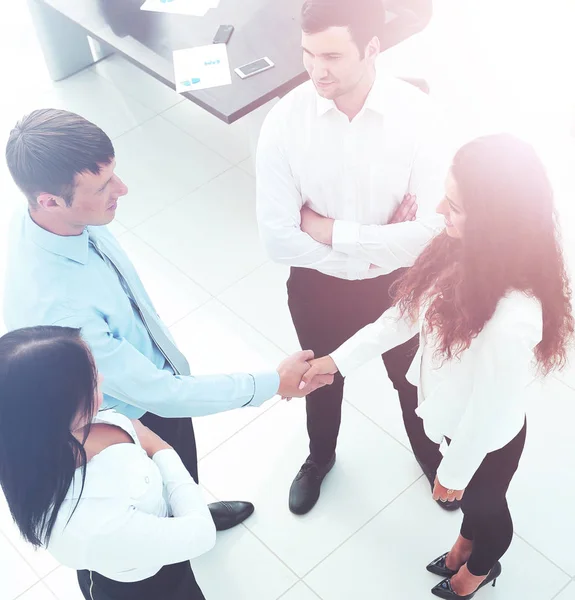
(391, 247)
(279, 203)
(501, 375)
(389, 331)
(135, 539)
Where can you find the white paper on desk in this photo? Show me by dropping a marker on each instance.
(196, 8)
(202, 67)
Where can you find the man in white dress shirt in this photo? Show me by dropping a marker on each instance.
(348, 177)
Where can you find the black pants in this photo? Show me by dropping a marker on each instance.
(179, 433)
(487, 521)
(326, 311)
(172, 582)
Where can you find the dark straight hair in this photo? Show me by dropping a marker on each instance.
(49, 147)
(365, 19)
(47, 379)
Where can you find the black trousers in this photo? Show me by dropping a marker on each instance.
(179, 433)
(487, 520)
(326, 311)
(172, 582)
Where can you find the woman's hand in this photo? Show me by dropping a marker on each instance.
(150, 442)
(443, 494)
(319, 366)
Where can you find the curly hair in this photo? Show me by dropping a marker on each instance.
(510, 242)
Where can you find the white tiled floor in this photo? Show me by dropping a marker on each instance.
(189, 226)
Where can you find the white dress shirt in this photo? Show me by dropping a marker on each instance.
(122, 527)
(476, 400)
(354, 172)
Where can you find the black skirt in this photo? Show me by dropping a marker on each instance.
(172, 582)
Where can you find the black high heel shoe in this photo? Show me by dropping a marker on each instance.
(444, 589)
(438, 567)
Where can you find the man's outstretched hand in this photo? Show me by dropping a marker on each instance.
(291, 372)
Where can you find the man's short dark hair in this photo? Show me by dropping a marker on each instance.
(365, 19)
(49, 147)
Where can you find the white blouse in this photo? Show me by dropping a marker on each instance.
(122, 527)
(475, 400)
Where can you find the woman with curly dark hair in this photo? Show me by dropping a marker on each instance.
(491, 301)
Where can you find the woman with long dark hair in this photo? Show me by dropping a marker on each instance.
(491, 301)
(104, 494)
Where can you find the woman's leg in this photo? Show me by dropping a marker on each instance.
(459, 553)
(487, 521)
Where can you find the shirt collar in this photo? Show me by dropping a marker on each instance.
(73, 247)
(375, 100)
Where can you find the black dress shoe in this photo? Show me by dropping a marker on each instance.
(449, 506)
(304, 491)
(438, 567)
(444, 589)
(229, 514)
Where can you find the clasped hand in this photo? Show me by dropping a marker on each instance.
(300, 374)
(298, 379)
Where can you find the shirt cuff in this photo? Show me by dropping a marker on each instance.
(266, 386)
(345, 236)
(455, 472)
(343, 361)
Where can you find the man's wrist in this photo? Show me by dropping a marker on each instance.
(327, 232)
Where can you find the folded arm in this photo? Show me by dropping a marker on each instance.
(279, 204)
(135, 539)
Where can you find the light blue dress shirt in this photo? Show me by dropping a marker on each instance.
(58, 280)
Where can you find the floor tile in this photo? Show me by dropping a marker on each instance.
(38, 592)
(248, 166)
(63, 582)
(387, 557)
(98, 100)
(116, 228)
(211, 235)
(217, 341)
(261, 299)
(300, 591)
(231, 141)
(371, 392)
(568, 593)
(41, 561)
(261, 461)
(16, 576)
(242, 568)
(174, 294)
(568, 374)
(86, 94)
(542, 494)
(160, 164)
(132, 81)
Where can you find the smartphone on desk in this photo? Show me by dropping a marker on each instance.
(223, 34)
(254, 67)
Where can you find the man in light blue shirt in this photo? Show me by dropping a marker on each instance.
(65, 268)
